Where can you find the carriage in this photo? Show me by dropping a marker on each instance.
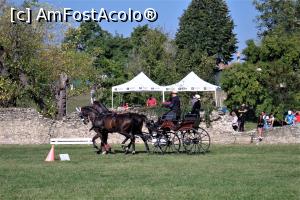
(169, 135)
(165, 136)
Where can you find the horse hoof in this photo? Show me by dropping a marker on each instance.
(133, 152)
(98, 152)
(104, 152)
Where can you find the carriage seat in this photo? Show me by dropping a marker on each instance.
(191, 117)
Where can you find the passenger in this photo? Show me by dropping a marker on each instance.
(197, 105)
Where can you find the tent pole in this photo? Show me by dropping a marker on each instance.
(216, 98)
(112, 99)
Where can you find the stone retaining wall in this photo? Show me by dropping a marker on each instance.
(27, 126)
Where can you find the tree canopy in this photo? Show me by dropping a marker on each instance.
(269, 79)
(31, 66)
(205, 34)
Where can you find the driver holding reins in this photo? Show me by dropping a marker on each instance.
(174, 105)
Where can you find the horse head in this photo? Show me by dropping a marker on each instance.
(100, 107)
(83, 113)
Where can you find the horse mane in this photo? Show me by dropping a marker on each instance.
(100, 106)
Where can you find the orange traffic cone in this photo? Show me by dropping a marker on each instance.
(50, 156)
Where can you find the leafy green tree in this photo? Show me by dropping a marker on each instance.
(153, 53)
(32, 67)
(269, 79)
(205, 34)
(274, 14)
(110, 54)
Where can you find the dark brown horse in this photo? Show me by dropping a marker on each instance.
(127, 124)
(102, 109)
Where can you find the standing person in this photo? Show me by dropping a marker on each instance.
(174, 105)
(290, 118)
(260, 125)
(242, 117)
(93, 94)
(298, 117)
(196, 105)
(151, 101)
(234, 121)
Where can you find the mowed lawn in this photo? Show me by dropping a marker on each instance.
(227, 172)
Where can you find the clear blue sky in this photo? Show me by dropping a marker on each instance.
(169, 11)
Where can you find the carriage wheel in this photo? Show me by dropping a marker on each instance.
(154, 143)
(205, 140)
(171, 142)
(191, 141)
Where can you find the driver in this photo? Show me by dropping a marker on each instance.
(174, 105)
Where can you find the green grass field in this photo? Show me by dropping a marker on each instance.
(227, 172)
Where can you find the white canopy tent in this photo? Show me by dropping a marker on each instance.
(193, 83)
(140, 83)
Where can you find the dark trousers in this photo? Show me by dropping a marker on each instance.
(235, 127)
(241, 124)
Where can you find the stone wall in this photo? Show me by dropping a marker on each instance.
(27, 126)
(222, 132)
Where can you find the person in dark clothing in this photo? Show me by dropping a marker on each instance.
(197, 105)
(260, 125)
(242, 117)
(174, 105)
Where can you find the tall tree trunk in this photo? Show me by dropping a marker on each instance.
(61, 96)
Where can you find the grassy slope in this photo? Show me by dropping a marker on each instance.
(228, 172)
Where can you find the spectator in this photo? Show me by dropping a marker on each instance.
(242, 117)
(298, 117)
(151, 101)
(234, 121)
(125, 106)
(271, 120)
(260, 125)
(93, 94)
(266, 122)
(290, 118)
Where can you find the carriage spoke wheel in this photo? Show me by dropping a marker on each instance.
(154, 143)
(171, 143)
(192, 141)
(205, 140)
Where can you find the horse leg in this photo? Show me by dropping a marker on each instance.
(123, 143)
(145, 142)
(93, 140)
(133, 144)
(127, 137)
(100, 135)
(106, 145)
